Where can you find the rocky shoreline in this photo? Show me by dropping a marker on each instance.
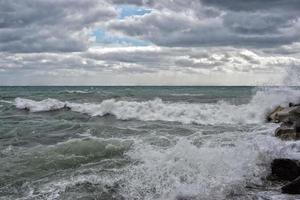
(285, 170)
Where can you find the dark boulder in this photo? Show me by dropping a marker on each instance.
(292, 187)
(287, 114)
(287, 133)
(285, 169)
(293, 105)
(297, 126)
(272, 116)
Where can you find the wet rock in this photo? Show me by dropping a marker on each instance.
(293, 105)
(287, 133)
(286, 115)
(292, 187)
(287, 124)
(297, 126)
(285, 169)
(271, 117)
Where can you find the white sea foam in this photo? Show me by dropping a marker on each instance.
(39, 106)
(204, 113)
(205, 172)
(5, 101)
(187, 94)
(78, 91)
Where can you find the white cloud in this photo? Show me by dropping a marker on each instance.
(150, 61)
(197, 42)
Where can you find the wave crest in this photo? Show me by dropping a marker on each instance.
(152, 110)
(39, 106)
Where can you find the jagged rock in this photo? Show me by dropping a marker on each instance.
(289, 114)
(285, 169)
(292, 188)
(287, 133)
(297, 126)
(287, 124)
(286, 115)
(271, 117)
(293, 105)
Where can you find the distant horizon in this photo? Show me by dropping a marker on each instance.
(149, 86)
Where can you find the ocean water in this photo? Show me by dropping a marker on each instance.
(168, 143)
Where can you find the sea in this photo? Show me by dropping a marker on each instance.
(141, 143)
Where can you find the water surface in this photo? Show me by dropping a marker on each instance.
(140, 142)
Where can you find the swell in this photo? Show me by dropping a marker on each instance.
(200, 113)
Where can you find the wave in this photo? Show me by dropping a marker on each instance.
(187, 94)
(5, 101)
(39, 106)
(200, 113)
(185, 171)
(78, 91)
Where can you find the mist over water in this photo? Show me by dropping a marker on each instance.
(292, 76)
(140, 142)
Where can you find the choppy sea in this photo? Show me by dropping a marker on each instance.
(125, 143)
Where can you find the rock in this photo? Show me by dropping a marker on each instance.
(281, 114)
(287, 133)
(292, 187)
(287, 114)
(285, 169)
(271, 117)
(292, 104)
(287, 124)
(297, 126)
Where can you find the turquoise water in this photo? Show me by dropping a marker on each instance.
(138, 142)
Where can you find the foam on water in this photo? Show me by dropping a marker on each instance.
(206, 172)
(205, 113)
(6, 102)
(39, 106)
(187, 94)
(183, 171)
(78, 91)
(219, 168)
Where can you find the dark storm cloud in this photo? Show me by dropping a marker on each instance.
(254, 5)
(45, 39)
(49, 26)
(216, 23)
(134, 2)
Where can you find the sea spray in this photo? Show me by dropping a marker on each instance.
(185, 171)
(152, 110)
(292, 76)
(215, 149)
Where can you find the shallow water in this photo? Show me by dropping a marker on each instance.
(140, 142)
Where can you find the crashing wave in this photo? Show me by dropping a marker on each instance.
(77, 91)
(200, 113)
(39, 106)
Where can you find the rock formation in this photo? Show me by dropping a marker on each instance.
(289, 129)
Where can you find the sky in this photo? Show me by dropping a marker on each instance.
(148, 42)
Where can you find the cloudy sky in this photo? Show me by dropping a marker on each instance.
(148, 42)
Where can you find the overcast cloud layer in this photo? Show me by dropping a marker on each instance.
(192, 42)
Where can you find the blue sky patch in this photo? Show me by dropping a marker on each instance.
(128, 11)
(104, 37)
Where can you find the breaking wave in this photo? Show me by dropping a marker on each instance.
(39, 106)
(200, 113)
(78, 91)
(185, 171)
